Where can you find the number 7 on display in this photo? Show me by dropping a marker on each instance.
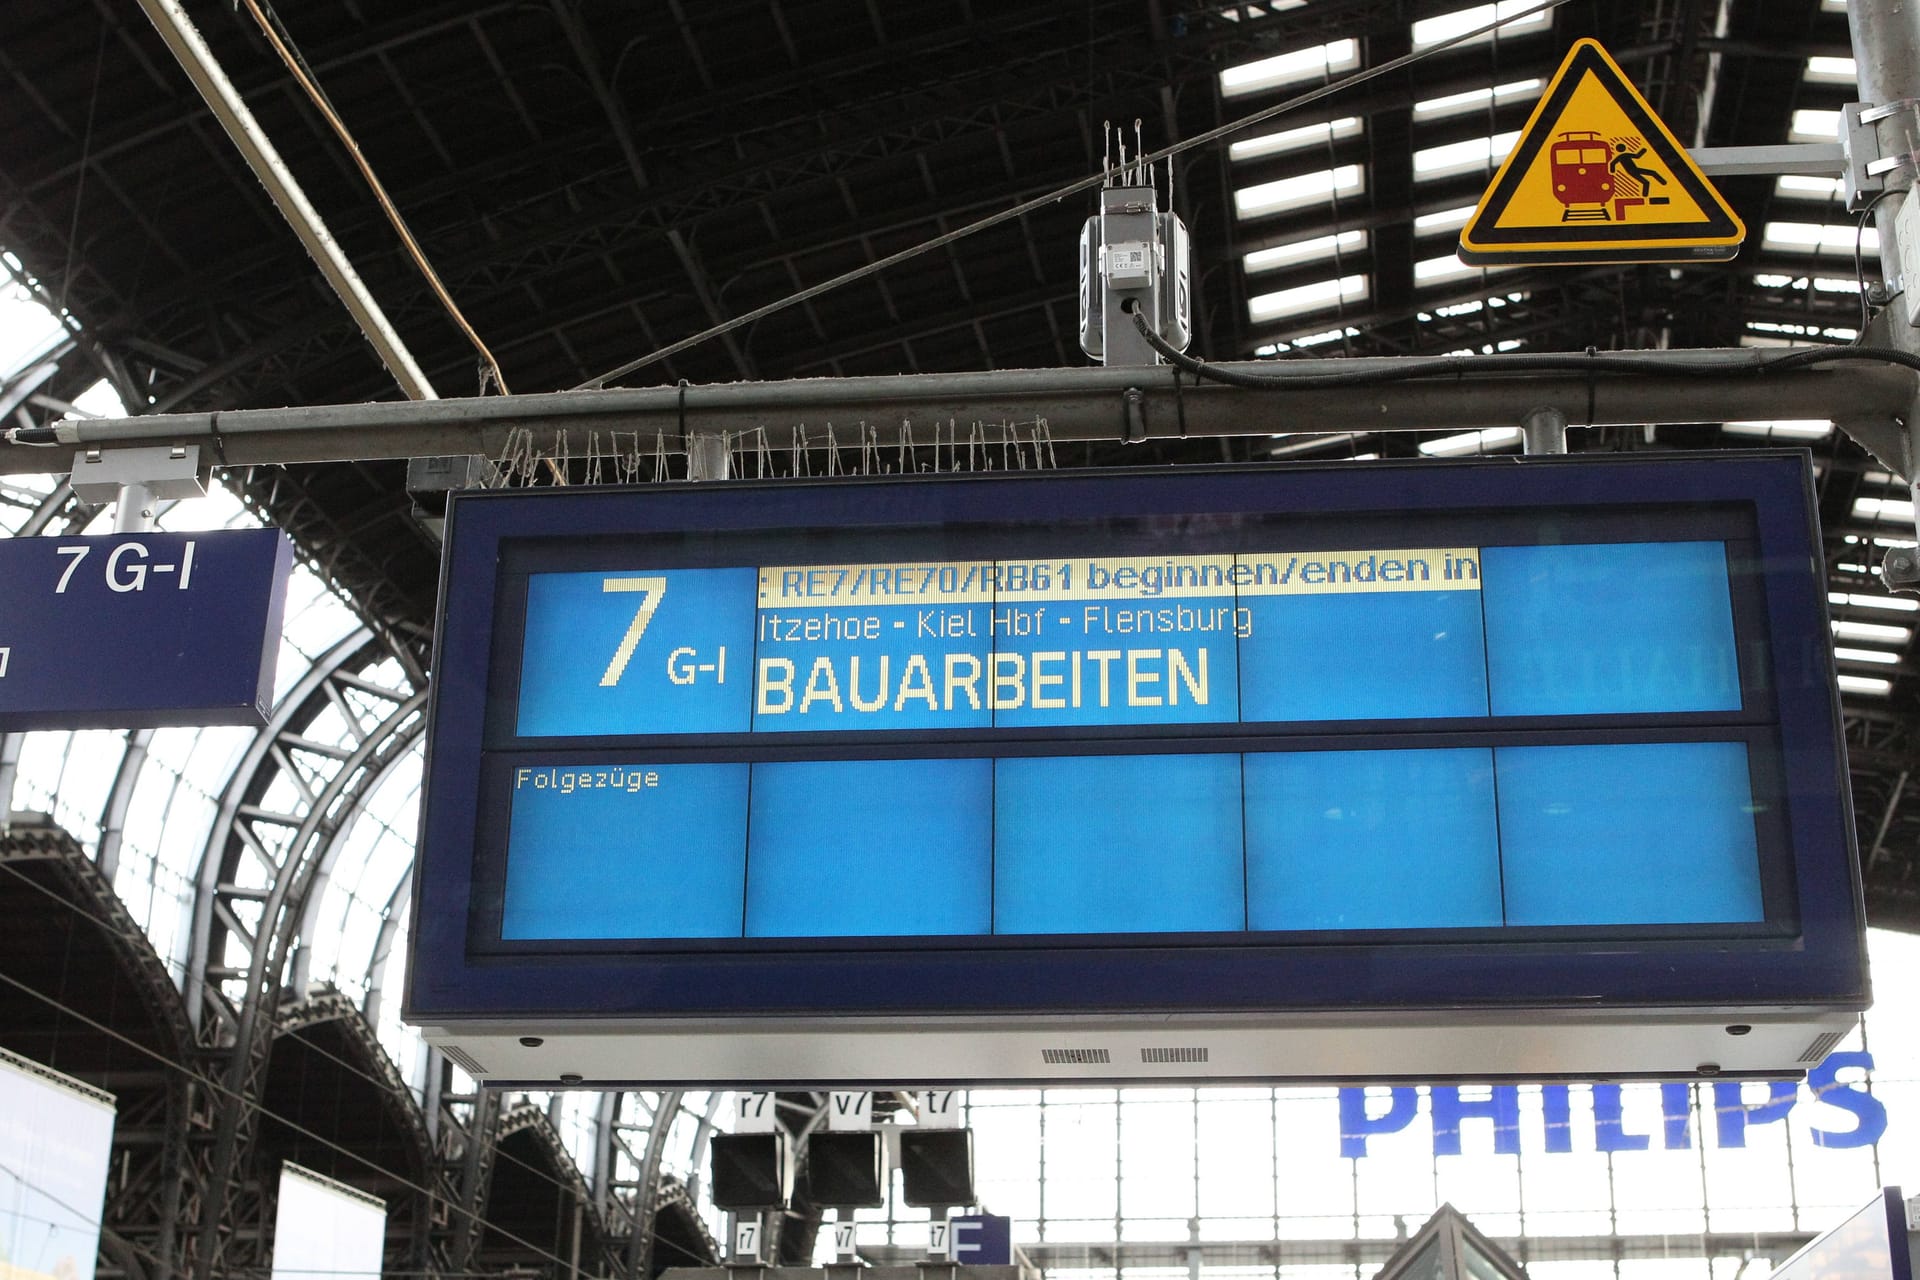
(650, 590)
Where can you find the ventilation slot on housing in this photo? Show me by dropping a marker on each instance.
(1074, 1057)
(1822, 1045)
(463, 1060)
(1183, 1053)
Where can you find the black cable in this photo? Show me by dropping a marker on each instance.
(1405, 370)
(1859, 267)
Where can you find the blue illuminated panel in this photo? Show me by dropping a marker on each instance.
(626, 851)
(671, 655)
(870, 848)
(1372, 840)
(1620, 628)
(1628, 833)
(1118, 844)
(1357, 635)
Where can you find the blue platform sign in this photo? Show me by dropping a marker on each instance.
(140, 630)
(1481, 737)
(981, 1240)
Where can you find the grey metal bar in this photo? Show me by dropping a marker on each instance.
(184, 39)
(1811, 159)
(1076, 404)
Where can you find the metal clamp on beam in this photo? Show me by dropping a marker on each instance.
(137, 480)
(1544, 430)
(1880, 142)
(431, 480)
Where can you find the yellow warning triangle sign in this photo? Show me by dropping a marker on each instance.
(1597, 177)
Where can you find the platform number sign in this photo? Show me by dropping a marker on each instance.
(937, 1243)
(746, 1239)
(940, 1109)
(843, 1241)
(754, 1112)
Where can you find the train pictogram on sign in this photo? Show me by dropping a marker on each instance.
(1597, 177)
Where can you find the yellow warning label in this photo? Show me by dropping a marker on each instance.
(1597, 177)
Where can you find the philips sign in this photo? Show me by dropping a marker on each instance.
(1852, 1117)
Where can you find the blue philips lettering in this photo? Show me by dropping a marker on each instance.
(1734, 1114)
(1608, 1132)
(1676, 1115)
(1502, 1106)
(1870, 1114)
(1556, 1105)
(1357, 1124)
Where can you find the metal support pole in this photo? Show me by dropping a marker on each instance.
(1886, 55)
(1544, 431)
(135, 510)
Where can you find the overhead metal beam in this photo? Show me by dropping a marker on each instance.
(1713, 385)
(184, 39)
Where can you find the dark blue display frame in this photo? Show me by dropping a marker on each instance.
(1809, 955)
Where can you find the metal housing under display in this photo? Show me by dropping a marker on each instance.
(1483, 769)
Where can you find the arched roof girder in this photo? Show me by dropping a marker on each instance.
(86, 994)
(308, 772)
(538, 1207)
(333, 1102)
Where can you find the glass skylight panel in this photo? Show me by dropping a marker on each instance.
(1321, 62)
(1445, 220)
(1298, 192)
(1815, 126)
(1307, 297)
(1471, 441)
(1233, 11)
(1439, 270)
(1900, 509)
(100, 401)
(27, 329)
(1784, 429)
(1324, 337)
(1800, 186)
(1817, 237)
(1309, 135)
(1878, 657)
(1893, 604)
(1527, 15)
(1463, 157)
(1832, 70)
(1319, 247)
(1870, 632)
(1454, 104)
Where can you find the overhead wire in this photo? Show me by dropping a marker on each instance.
(352, 1068)
(235, 1096)
(1060, 193)
(297, 67)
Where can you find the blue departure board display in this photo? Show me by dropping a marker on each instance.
(1136, 741)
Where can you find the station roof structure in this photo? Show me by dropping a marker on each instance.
(594, 181)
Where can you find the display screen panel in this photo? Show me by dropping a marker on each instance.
(1198, 737)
